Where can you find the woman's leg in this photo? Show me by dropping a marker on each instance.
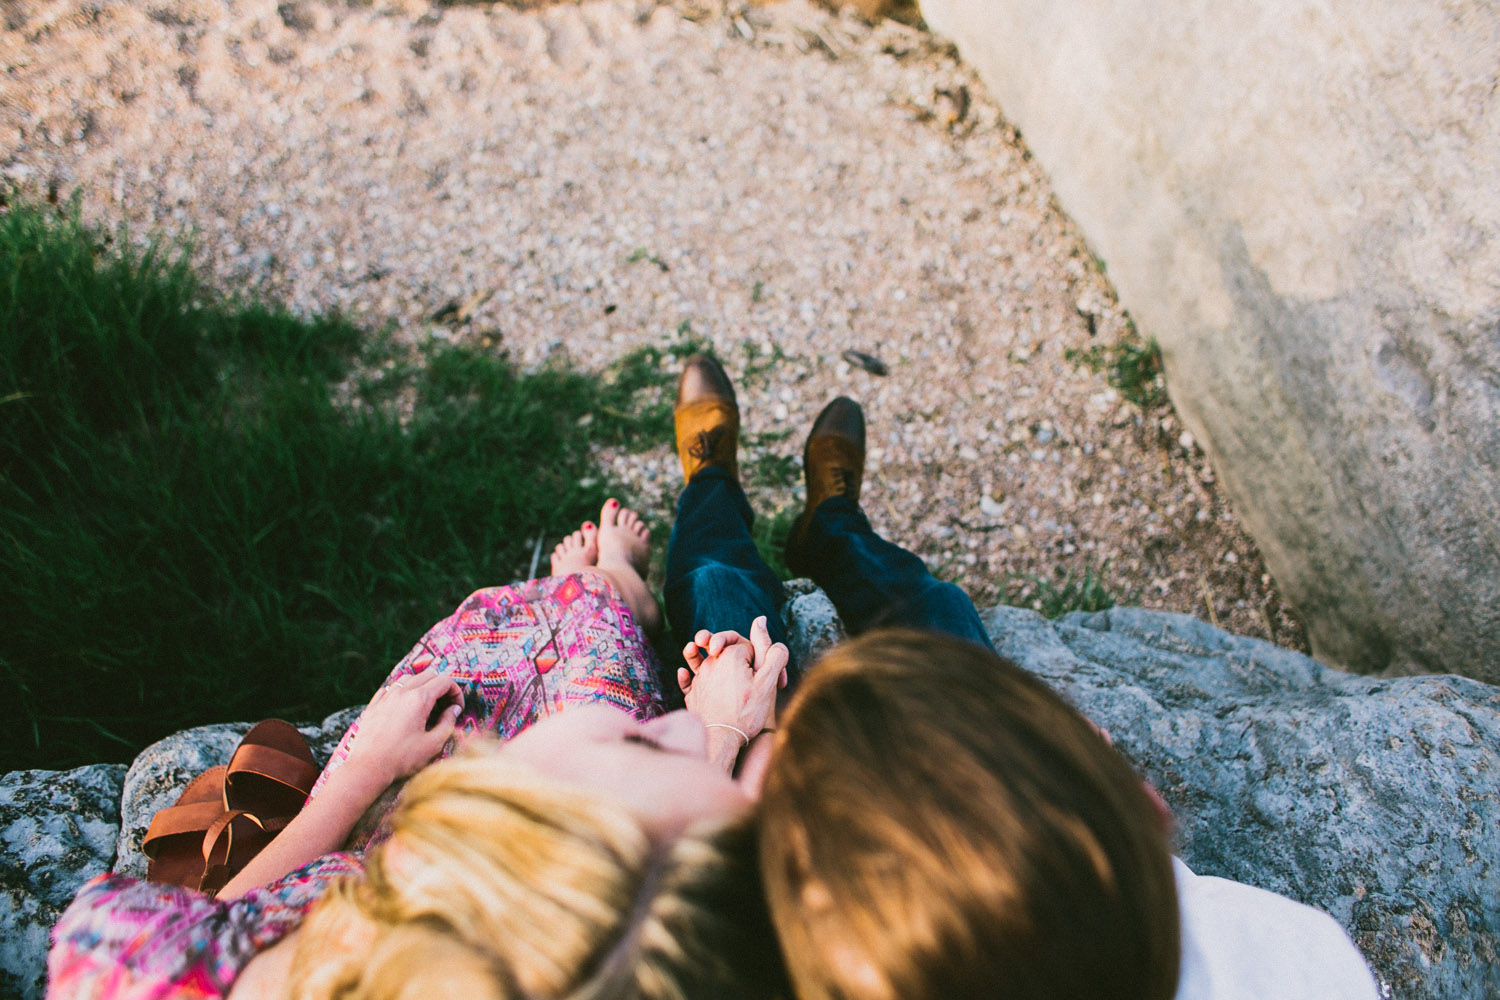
(524, 650)
(619, 549)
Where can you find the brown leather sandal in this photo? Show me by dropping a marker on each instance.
(174, 840)
(227, 814)
(270, 774)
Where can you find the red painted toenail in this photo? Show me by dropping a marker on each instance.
(588, 524)
(614, 503)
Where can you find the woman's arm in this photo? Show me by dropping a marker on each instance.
(393, 743)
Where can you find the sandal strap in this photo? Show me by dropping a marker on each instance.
(195, 810)
(219, 861)
(274, 765)
(221, 835)
(175, 821)
(215, 877)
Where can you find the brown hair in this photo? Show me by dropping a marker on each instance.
(497, 883)
(936, 822)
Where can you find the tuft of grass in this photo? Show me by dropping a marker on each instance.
(1134, 368)
(770, 533)
(633, 395)
(212, 509)
(771, 470)
(642, 254)
(759, 364)
(1087, 592)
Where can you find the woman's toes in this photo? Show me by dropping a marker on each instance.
(576, 551)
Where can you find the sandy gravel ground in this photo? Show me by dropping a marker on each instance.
(791, 184)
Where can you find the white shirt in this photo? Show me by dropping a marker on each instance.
(1244, 943)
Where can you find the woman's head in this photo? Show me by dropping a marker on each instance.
(938, 823)
(657, 770)
(502, 879)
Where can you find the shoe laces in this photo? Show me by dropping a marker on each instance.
(843, 480)
(705, 443)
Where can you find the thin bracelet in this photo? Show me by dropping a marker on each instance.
(725, 725)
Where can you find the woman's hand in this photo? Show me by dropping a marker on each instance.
(731, 680)
(393, 742)
(394, 739)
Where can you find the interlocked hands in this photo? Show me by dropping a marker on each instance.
(731, 680)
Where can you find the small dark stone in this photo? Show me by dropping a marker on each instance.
(868, 362)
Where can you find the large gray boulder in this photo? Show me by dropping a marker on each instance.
(1375, 800)
(161, 771)
(57, 830)
(1301, 202)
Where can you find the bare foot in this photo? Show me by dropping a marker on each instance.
(624, 545)
(624, 539)
(580, 550)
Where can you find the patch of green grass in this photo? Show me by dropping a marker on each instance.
(212, 509)
(641, 253)
(634, 399)
(1134, 368)
(1054, 599)
(771, 470)
(770, 533)
(762, 439)
(759, 364)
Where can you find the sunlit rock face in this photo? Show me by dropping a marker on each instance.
(1301, 202)
(1377, 800)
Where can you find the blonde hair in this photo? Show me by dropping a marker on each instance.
(937, 823)
(497, 884)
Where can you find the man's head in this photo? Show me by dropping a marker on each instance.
(938, 823)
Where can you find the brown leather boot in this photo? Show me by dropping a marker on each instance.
(707, 418)
(833, 461)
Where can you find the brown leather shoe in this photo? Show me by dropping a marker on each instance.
(707, 418)
(833, 460)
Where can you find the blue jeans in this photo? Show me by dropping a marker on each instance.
(717, 580)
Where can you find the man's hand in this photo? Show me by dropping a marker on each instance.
(731, 680)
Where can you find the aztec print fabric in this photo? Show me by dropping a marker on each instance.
(131, 940)
(523, 652)
(519, 653)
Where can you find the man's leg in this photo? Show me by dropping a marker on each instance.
(874, 583)
(716, 579)
(870, 581)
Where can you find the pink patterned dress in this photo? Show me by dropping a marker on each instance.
(519, 652)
